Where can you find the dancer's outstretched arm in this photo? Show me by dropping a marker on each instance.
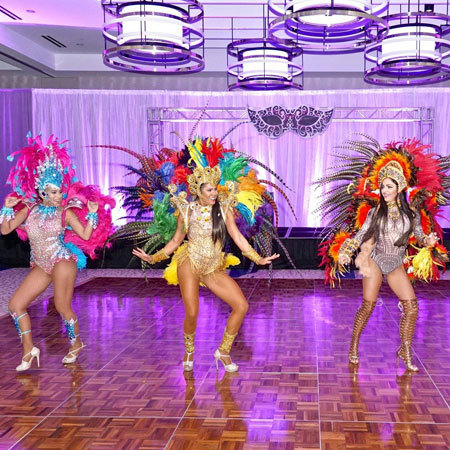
(168, 249)
(8, 226)
(243, 244)
(72, 220)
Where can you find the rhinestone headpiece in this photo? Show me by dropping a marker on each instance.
(49, 172)
(393, 170)
(202, 175)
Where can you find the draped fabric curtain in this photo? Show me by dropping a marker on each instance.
(89, 117)
(15, 122)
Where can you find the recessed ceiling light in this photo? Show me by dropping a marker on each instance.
(31, 11)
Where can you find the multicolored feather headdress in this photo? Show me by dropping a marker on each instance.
(201, 160)
(355, 190)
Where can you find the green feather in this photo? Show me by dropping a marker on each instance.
(164, 222)
(233, 168)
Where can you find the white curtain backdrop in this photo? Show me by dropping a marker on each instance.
(89, 117)
(15, 122)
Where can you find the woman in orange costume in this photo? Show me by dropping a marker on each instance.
(386, 225)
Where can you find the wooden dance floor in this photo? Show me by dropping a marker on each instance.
(294, 389)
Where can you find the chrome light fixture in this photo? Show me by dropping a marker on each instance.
(331, 26)
(414, 50)
(154, 37)
(263, 64)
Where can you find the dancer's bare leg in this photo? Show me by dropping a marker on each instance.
(63, 275)
(36, 282)
(189, 285)
(224, 287)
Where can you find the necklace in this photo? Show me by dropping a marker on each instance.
(393, 211)
(203, 214)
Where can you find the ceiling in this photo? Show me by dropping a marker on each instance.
(74, 41)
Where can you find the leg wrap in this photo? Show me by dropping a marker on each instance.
(227, 342)
(189, 342)
(70, 329)
(362, 316)
(16, 319)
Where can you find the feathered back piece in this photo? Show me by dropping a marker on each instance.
(39, 165)
(354, 190)
(201, 160)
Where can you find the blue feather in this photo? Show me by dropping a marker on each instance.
(246, 213)
(81, 257)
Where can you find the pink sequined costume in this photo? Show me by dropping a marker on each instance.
(46, 234)
(38, 167)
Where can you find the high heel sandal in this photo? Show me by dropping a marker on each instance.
(25, 365)
(188, 365)
(232, 367)
(72, 356)
(225, 346)
(353, 357)
(405, 355)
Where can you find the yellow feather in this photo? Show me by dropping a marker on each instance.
(251, 200)
(423, 264)
(250, 183)
(195, 152)
(171, 271)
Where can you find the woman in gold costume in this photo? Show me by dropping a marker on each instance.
(203, 192)
(206, 220)
(386, 228)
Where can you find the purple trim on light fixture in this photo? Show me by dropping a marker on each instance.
(150, 55)
(339, 38)
(408, 70)
(237, 50)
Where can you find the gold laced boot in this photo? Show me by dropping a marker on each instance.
(362, 316)
(225, 346)
(188, 365)
(410, 310)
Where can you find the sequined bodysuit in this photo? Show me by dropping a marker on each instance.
(204, 256)
(386, 254)
(46, 235)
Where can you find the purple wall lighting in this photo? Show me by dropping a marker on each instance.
(153, 37)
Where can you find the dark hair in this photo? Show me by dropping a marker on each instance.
(381, 215)
(219, 229)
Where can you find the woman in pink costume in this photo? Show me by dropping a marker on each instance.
(45, 186)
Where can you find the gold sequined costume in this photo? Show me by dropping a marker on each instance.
(205, 256)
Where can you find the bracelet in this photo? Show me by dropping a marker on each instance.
(6, 214)
(252, 255)
(160, 255)
(92, 219)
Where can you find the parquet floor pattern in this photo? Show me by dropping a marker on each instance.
(294, 390)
